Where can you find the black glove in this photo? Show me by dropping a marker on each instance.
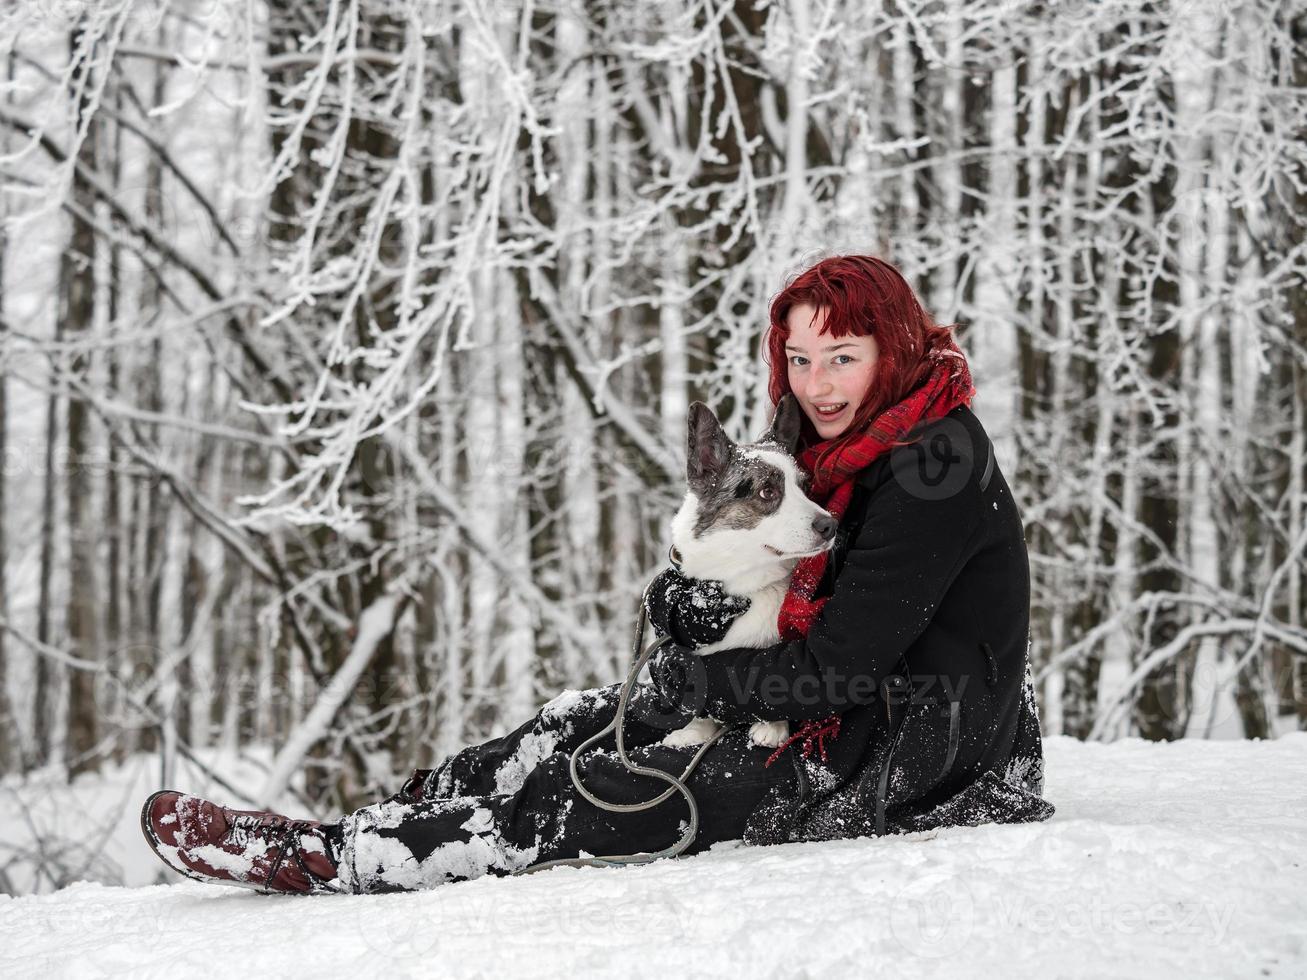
(679, 680)
(694, 612)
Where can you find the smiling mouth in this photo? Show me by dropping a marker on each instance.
(834, 410)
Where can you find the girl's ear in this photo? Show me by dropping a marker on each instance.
(786, 422)
(708, 448)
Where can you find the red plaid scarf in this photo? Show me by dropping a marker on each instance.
(948, 386)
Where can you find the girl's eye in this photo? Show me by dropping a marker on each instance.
(798, 360)
(767, 493)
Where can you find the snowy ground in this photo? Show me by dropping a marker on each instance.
(1185, 860)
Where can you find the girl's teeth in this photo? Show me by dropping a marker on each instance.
(834, 411)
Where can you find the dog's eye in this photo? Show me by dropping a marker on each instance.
(767, 493)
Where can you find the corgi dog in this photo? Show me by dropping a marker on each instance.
(746, 522)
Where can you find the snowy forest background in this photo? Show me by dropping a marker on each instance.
(345, 348)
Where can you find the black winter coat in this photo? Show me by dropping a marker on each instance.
(922, 649)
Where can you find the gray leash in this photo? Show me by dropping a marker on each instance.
(677, 784)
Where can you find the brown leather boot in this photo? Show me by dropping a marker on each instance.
(250, 848)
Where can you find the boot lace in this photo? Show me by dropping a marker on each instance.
(285, 836)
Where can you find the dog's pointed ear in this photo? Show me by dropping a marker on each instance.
(708, 447)
(785, 423)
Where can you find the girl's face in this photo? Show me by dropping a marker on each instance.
(826, 372)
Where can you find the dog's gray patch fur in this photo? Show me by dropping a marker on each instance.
(732, 502)
(728, 478)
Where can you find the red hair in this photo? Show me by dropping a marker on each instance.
(861, 295)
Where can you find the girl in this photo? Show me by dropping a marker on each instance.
(903, 660)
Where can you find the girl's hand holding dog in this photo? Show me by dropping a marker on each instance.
(693, 612)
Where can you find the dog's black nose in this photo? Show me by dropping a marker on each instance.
(825, 526)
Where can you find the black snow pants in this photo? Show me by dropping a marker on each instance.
(500, 807)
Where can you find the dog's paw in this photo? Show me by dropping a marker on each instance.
(695, 733)
(769, 734)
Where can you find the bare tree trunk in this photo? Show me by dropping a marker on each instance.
(172, 670)
(1080, 683)
(994, 353)
(483, 490)
(1162, 706)
(1294, 71)
(77, 315)
(47, 673)
(448, 576)
(147, 501)
(116, 520)
(1036, 385)
(11, 750)
(1201, 258)
(1297, 668)
(517, 640)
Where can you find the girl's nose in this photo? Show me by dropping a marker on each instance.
(818, 380)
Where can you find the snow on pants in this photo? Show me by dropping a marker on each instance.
(510, 803)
